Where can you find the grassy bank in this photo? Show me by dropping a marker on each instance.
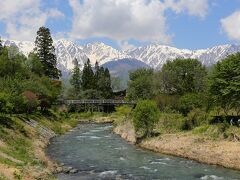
(23, 139)
(190, 137)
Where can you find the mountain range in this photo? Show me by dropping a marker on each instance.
(153, 55)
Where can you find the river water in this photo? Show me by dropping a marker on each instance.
(99, 154)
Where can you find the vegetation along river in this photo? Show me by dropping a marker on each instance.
(99, 154)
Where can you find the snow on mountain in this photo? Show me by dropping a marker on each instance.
(153, 55)
(157, 55)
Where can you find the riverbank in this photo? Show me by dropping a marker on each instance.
(23, 139)
(188, 145)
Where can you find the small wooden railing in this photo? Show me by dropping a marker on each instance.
(97, 101)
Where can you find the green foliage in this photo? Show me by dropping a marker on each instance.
(35, 64)
(140, 85)
(91, 84)
(20, 75)
(189, 102)
(145, 116)
(76, 79)
(167, 102)
(225, 83)
(88, 80)
(5, 104)
(46, 53)
(104, 83)
(194, 119)
(182, 76)
(170, 123)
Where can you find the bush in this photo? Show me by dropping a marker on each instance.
(123, 111)
(31, 101)
(166, 102)
(170, 123)
(189, 102)
(145, 116)
(5, 105)
(19, 103)
(194, 119)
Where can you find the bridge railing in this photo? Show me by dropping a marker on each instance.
(97, 101)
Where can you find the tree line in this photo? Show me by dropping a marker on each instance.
(90, 83)
(29, 83)
(185, 88)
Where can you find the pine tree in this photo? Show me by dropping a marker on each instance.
(108, 89)
(46, 53)
(104, 83)
(88, 79)
(96, 75)
(76, 77)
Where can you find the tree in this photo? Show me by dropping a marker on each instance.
(76, 78)
(145, 115)
(35, 64)
(104, 83)
(88, 79)
(108, 92)
(140, 85)
(182, 76)
(225, 83)
(96, 68)
(46, 53)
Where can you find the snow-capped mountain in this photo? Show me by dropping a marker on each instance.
(157, 55)
(153, 55)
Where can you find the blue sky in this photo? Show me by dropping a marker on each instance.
(123, 24)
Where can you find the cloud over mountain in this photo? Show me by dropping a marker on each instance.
(231, 26)
(122, 20)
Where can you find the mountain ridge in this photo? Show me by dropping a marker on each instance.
(154, 55)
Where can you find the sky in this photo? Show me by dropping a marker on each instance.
(125, 24)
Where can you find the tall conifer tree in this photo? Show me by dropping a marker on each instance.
(46, 53)
(108, 89)
(76, 77)
(88, 79)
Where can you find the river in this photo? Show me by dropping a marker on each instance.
(99, 154)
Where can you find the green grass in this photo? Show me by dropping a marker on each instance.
(18, 138)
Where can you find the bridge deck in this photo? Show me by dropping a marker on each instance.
(99, 101)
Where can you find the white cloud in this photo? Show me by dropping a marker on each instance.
(121, 20)
(23, 18)
(231, 26)
(192, 7)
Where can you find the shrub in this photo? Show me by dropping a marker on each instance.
(145, 115)
(31, 101)
(166, 102)
(5, 105)
(189, 102)
(123, 111)
(19, 103)
(170, 123)
(194, 119)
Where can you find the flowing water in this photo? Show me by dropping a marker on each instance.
(99, 154)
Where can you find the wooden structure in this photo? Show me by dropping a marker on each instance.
(99, 105)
